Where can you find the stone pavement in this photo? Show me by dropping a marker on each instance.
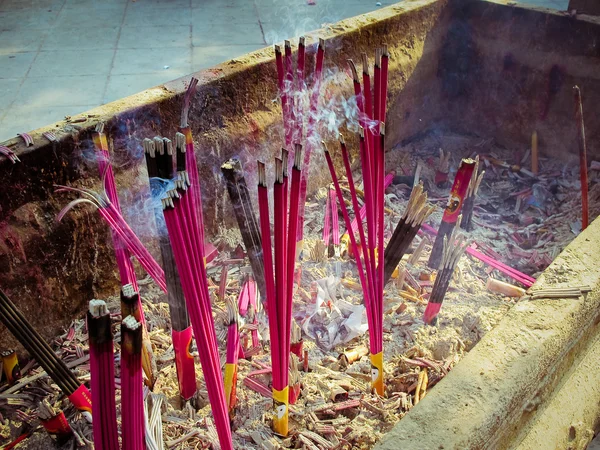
(63, 57)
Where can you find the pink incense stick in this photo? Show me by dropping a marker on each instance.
(335, 220)
(507, 270)
(231, 362)
(361, 274)
(363, 209)
(102, 376)
(310, 136)
(327, 220)
(132, 390)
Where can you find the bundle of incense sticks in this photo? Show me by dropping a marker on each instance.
(293, 117)
(118, 224)
(132, 387)
(160, 172)
(29, 338)
(454, 247)
(279, 272)
(582, 158)
(231, 362)
(126, 270)
(417, 211)
(185, 228)
(55, 423)
(466, 223)
(331, 225)
(246, 218)
(10, 366)
(453, 209)
(102, 376)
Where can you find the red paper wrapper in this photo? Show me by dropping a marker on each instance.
(296, 348)
(294, 393)
(459, 190)
(58, 427)
(82, 399)
(184, 362)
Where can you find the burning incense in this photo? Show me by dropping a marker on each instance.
(118, 224)
(231, 364)
(417, 211)
(582, 158)
(10, 366)
(182, 209)
(102, 376)
(126, 270)
(454, 247)
(280, 283)
(132, 388)
(181, 332)
(55, 423)
(29, 338)
(246, 218)
(453, 209)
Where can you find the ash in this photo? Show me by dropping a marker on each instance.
(520, 220)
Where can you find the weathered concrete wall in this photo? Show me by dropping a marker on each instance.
(591, 7)
(51, 270)
(506, 382)
(518, 65)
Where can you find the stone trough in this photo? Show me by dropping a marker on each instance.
(489, 68)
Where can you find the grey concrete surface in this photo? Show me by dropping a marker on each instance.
(62, 57)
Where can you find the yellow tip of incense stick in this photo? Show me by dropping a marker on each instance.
(230, 384)
(281, 411)
(377, 373)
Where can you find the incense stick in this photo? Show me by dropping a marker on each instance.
(132, 394)
(582, 157)
(454, 247)
(246, 218)
(21, 329)
(453, 209)
(102, 376)
(231, 364)
(416, 212)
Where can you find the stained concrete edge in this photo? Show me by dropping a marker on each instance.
(511, 374)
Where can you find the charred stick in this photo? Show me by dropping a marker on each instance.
(246, 218)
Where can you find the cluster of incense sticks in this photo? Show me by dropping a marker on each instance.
(159, 162)
(122, 254)
(371, 100)
(453, 247)
(182, 209)
(117, 223)
(471, 195)
(290, 89)
(10, 366)
(246, 218)
(102, 376)
(29, 338)
(279, 272)
(231, 361)
(417, 210)
(55, 423)
(9, 154)
(132, 387)
(582, 158)
(453, 209)
(126, 270)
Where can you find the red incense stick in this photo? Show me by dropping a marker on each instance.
(326, 221)
(102, 376)
(132, 391)
(231, 362)
(335, 219)
(582, 158)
